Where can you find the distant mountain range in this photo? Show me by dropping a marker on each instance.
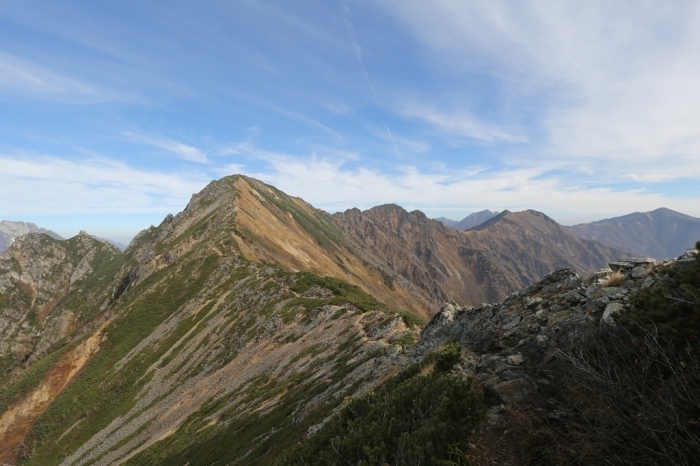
(661, 233)
(11, 230)
(120, 246)
(483, 264)
(470, 221)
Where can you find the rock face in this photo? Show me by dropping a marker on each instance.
(660, 234)
(470, 221)
(9, 231)
(41, 289)
(503, 343)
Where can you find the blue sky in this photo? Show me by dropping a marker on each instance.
(113, 113)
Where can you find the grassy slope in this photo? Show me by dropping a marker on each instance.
(199, 317)
(258, 295)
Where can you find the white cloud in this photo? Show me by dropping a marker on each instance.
(182, 151)
(329, 183)
(48, 185)
(616, 83)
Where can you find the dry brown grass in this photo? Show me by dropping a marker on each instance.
(615, 279)
(614, 399)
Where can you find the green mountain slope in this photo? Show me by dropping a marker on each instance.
(194, 343)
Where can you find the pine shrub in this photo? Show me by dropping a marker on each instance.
(413, 420)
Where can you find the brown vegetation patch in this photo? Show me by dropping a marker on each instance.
(615, 279)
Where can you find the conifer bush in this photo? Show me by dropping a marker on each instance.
(412, 420)
(671, 309)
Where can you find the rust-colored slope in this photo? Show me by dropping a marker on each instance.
(277, 236)
(484, 264)
(527, 245)
(242, 215)
(18, 420)
(422, 253)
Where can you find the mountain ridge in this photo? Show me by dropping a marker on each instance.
(10, 230)
(470, 221)
(660, 233)
(246, 310)
(483, 264)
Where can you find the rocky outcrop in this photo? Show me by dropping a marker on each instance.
(504, 343)
(40, 277)
(518, 352)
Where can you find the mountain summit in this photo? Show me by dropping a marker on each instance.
(470, 221)
(660, 233)
(9, 231)
(484, 264)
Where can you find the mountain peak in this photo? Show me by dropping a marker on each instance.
(9, 231)
(470, 221)
(660, 233)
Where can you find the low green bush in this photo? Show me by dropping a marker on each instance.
(670, 310)
(413, 420)
(343, 292)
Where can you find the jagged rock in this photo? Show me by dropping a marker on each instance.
(631, 263)
(515, 359)
(649, 281)
(530, 303)
(512, 391)
(511, 323)
(639, 272)
(611, 310)
(690, 255)
(562, 304)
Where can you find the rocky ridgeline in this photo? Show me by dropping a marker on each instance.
(504, 343)
(36, 273)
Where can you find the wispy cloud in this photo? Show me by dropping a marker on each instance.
(21, 77)
(350, 28)
(177, 148)
(613, 83)
(50, 185)
(392, 141)
(461, 123)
